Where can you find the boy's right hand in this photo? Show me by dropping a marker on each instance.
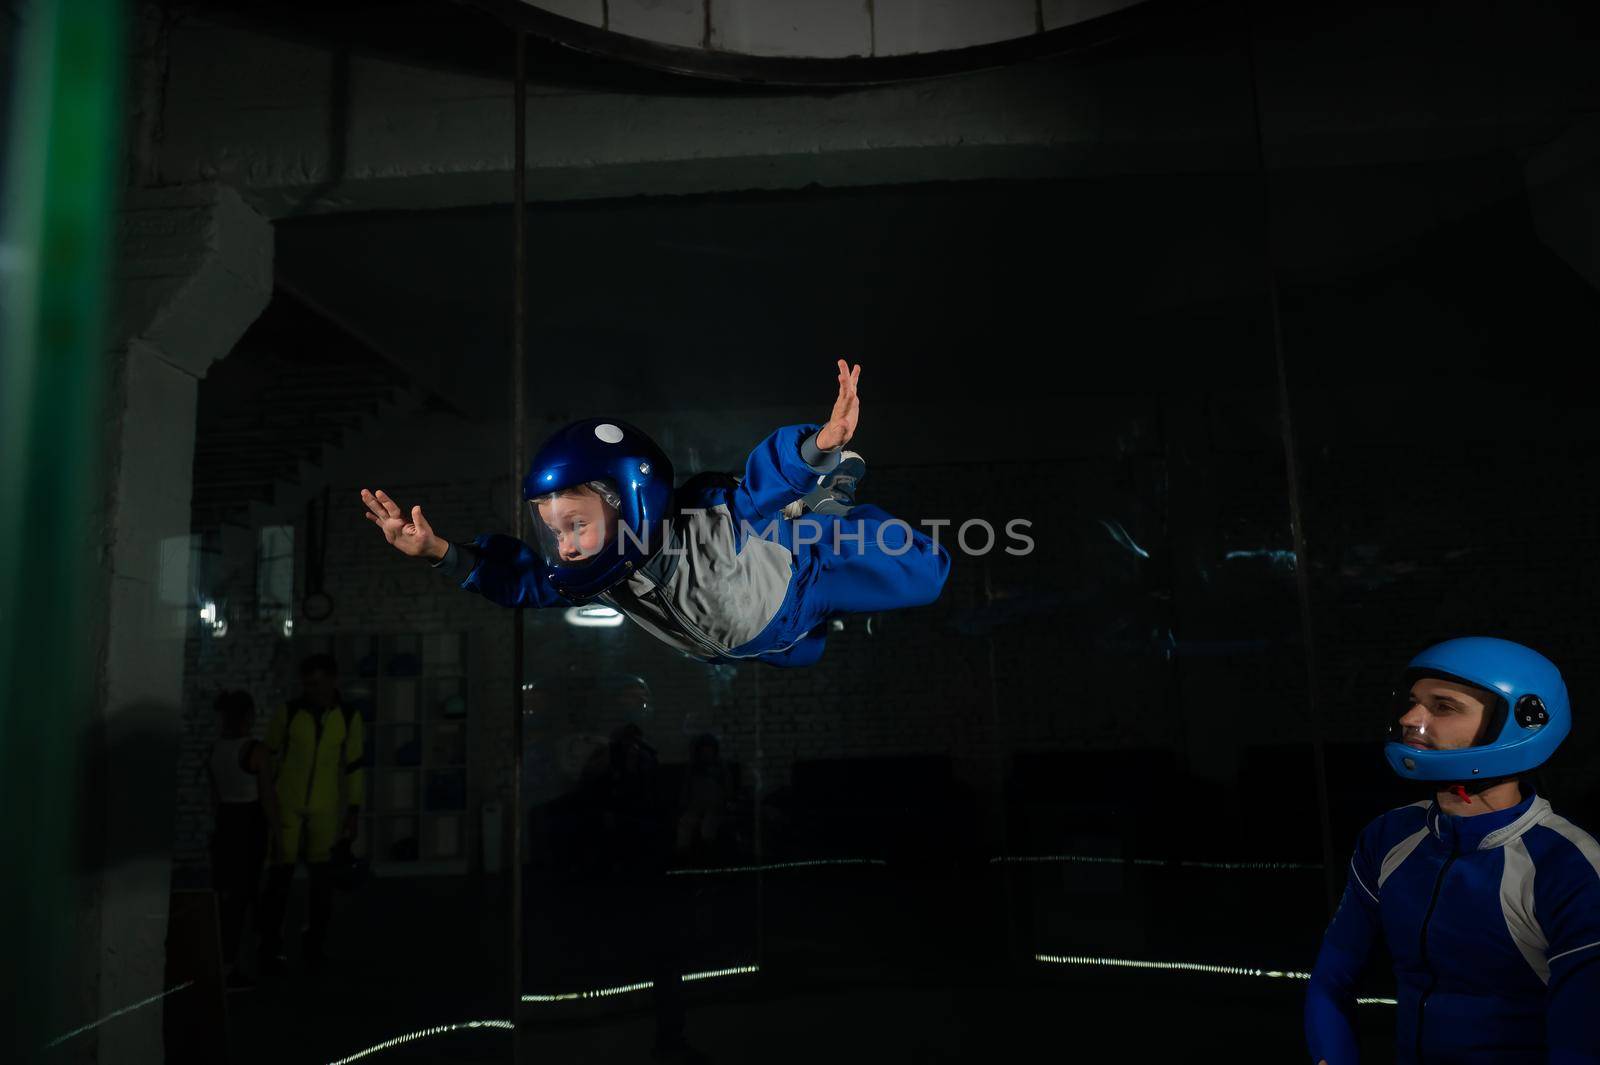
(414, 538)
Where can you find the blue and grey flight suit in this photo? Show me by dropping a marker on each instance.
(735, 580)
(1493, 922)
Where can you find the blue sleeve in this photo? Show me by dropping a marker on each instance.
(782, 468)
(1569, 908)
(1573, 1036)
(1346, 949)
(503, 570)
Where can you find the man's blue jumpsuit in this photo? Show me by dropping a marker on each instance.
(735, 581)
(1493, 922)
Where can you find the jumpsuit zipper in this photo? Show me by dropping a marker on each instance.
(692, 631)
(1433, 977)
(705, 641)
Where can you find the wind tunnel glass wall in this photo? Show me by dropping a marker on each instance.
(1053, 800)
(971, 820)
(1031, 803)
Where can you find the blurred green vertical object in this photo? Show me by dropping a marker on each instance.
(60, 184)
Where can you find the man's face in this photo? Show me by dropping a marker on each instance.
(582, 523)
(317, 687)
(1445, 715)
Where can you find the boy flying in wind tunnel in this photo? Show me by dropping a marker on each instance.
(722, 568)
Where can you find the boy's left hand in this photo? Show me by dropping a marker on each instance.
(846, 410)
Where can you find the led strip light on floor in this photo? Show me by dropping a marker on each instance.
(1190, 967)
(1013, 859)
(1250, 865)
(739, 970)
(1177, 966)
(425, 1033)
(1098, 860)
(645, 985)
(58, 1040)
(775, 865)
(1087, 859)
(1056, 959)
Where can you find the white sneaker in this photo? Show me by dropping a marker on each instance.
(838, 493)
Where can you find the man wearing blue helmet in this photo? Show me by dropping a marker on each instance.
(1489, 902)
(723, 568)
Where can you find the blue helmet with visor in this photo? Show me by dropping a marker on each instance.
(600, 492)
(1527, 718)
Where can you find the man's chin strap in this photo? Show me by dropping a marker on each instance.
(1465, 790)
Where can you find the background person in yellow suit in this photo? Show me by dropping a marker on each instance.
(317, 745)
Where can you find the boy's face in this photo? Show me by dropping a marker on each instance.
(581, 523)
(1445, 715)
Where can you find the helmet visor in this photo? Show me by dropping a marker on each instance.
(1436, 713)
(575, 525)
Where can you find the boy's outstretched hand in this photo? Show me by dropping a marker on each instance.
(846, 410)
(414, 538)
